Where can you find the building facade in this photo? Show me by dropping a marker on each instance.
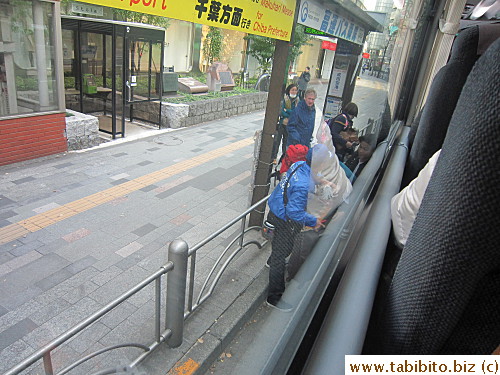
(32, 115)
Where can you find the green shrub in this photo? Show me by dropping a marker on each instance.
(26, 84)
(187, 98)
(69, 82)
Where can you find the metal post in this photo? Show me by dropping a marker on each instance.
(261, 185)
(176, 291)
(158, 309)
(47, 364)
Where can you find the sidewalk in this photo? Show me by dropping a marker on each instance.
(79, 229)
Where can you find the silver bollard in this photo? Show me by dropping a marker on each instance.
(176, 291)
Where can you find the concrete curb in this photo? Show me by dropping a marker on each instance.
(213, 343)
(212, 326)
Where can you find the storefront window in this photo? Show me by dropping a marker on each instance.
(27, 69)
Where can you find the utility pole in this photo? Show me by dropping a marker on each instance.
(280, 68)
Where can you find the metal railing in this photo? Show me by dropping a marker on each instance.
(45, 352)
(175, 313)
(212, 275)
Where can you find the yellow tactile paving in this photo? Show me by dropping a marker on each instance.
(43, 220)
(12, 232)
(79, 205)
(37, 222)
(59, 213)
(98, 198)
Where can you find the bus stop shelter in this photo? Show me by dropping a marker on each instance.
(110, 68)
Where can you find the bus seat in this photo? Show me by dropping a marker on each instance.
(443, 96)
(444, 297)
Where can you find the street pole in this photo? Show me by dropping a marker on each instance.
(280, 68)
(261, 185)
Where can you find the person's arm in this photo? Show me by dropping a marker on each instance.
(335, 129)
(292, 127)
(405, 204)
(347, 171)
(297, 204)
(284, 111)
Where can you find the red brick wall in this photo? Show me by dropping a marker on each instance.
(32, 137)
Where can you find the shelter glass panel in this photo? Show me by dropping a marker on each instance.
(145, 64)
(93, 72)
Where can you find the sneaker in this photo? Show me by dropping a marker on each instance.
(280, 305)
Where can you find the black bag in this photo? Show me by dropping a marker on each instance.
(271, 218)
(302, 247)
(294, 226)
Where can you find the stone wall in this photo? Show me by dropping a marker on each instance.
(213, 109)
(182, 115)
(82, 131)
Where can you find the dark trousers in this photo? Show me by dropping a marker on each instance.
(282, 245)
(301, 250)
(301, 94)
(281, 133)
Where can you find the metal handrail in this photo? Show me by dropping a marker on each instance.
(173, 332)
(47, 349)
(192, 252)
(96, 353)
(201, 297)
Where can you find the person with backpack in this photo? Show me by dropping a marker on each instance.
(288, 214)
(342, 122)
(304, 79)
(288, 104)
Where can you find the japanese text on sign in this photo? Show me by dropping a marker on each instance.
(329, 22)
(271, 18)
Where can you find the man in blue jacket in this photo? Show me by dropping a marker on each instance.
(288, 204)
(301, 123)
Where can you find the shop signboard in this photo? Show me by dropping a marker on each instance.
(339, 76)
(319, 17)
(332, 46)
(87, 9)
(271, 18)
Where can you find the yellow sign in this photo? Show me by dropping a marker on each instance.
(271, 18)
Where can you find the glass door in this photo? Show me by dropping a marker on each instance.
(144, 61)
(119, 88)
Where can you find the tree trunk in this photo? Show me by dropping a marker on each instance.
(196, 48)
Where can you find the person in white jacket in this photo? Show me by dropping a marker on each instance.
(405, 204)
